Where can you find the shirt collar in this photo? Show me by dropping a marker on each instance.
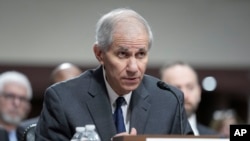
(12, 135)
(193, 123)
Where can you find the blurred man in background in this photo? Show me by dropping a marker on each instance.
(65, 71)
(62, 72)
(15, 96)
(184, 77)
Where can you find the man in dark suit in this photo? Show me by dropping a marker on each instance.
(184, 77)
(62, 72)
(123, 40)
(15, 96)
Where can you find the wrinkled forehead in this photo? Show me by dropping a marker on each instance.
(130, 35)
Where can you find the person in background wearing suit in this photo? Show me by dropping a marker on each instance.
(184, 77)
(62, 72)
(123, 41)
(15, 96)
(3, 134)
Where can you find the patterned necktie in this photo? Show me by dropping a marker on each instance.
(118, 116)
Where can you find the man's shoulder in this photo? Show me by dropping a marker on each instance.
(82, 79)
(78, 85)
(150, 82)
(28, 122)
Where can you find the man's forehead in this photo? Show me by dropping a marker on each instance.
(127, 48)
(14, 85)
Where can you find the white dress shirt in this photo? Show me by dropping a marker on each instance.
(193, 122)
(125, 107)
(12, 135)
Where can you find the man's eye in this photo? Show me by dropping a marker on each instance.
(122, 54)
(141, 54)
(190, 87)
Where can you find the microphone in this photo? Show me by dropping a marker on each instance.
(165, 86)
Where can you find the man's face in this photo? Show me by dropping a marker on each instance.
(14, 103)
(126, 59)
(185, 79)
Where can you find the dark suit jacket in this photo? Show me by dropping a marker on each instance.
(204, 130)
(84, 100)
(3, 135)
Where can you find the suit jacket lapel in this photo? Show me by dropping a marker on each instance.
(99, 106)
(139, 108)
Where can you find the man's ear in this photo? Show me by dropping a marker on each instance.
(98, 53)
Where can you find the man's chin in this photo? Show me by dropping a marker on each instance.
(131, 87)
(188, 111)
(12, 120)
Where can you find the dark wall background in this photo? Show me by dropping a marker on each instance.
(232, 90)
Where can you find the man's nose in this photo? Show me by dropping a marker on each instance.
(132, 65)
(17, 101)
(186, 95)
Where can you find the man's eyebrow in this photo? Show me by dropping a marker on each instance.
(142, 49)
(122, 48)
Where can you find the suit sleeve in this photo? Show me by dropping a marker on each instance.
(52, 121)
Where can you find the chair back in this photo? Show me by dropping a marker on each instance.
(29, 133)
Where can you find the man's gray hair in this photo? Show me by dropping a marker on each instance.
(105, 26)
(14, 76)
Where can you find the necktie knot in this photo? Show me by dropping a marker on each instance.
(120, 101)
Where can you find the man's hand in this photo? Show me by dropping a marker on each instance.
(132, 132)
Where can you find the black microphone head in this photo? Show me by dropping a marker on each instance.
(163, 85)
